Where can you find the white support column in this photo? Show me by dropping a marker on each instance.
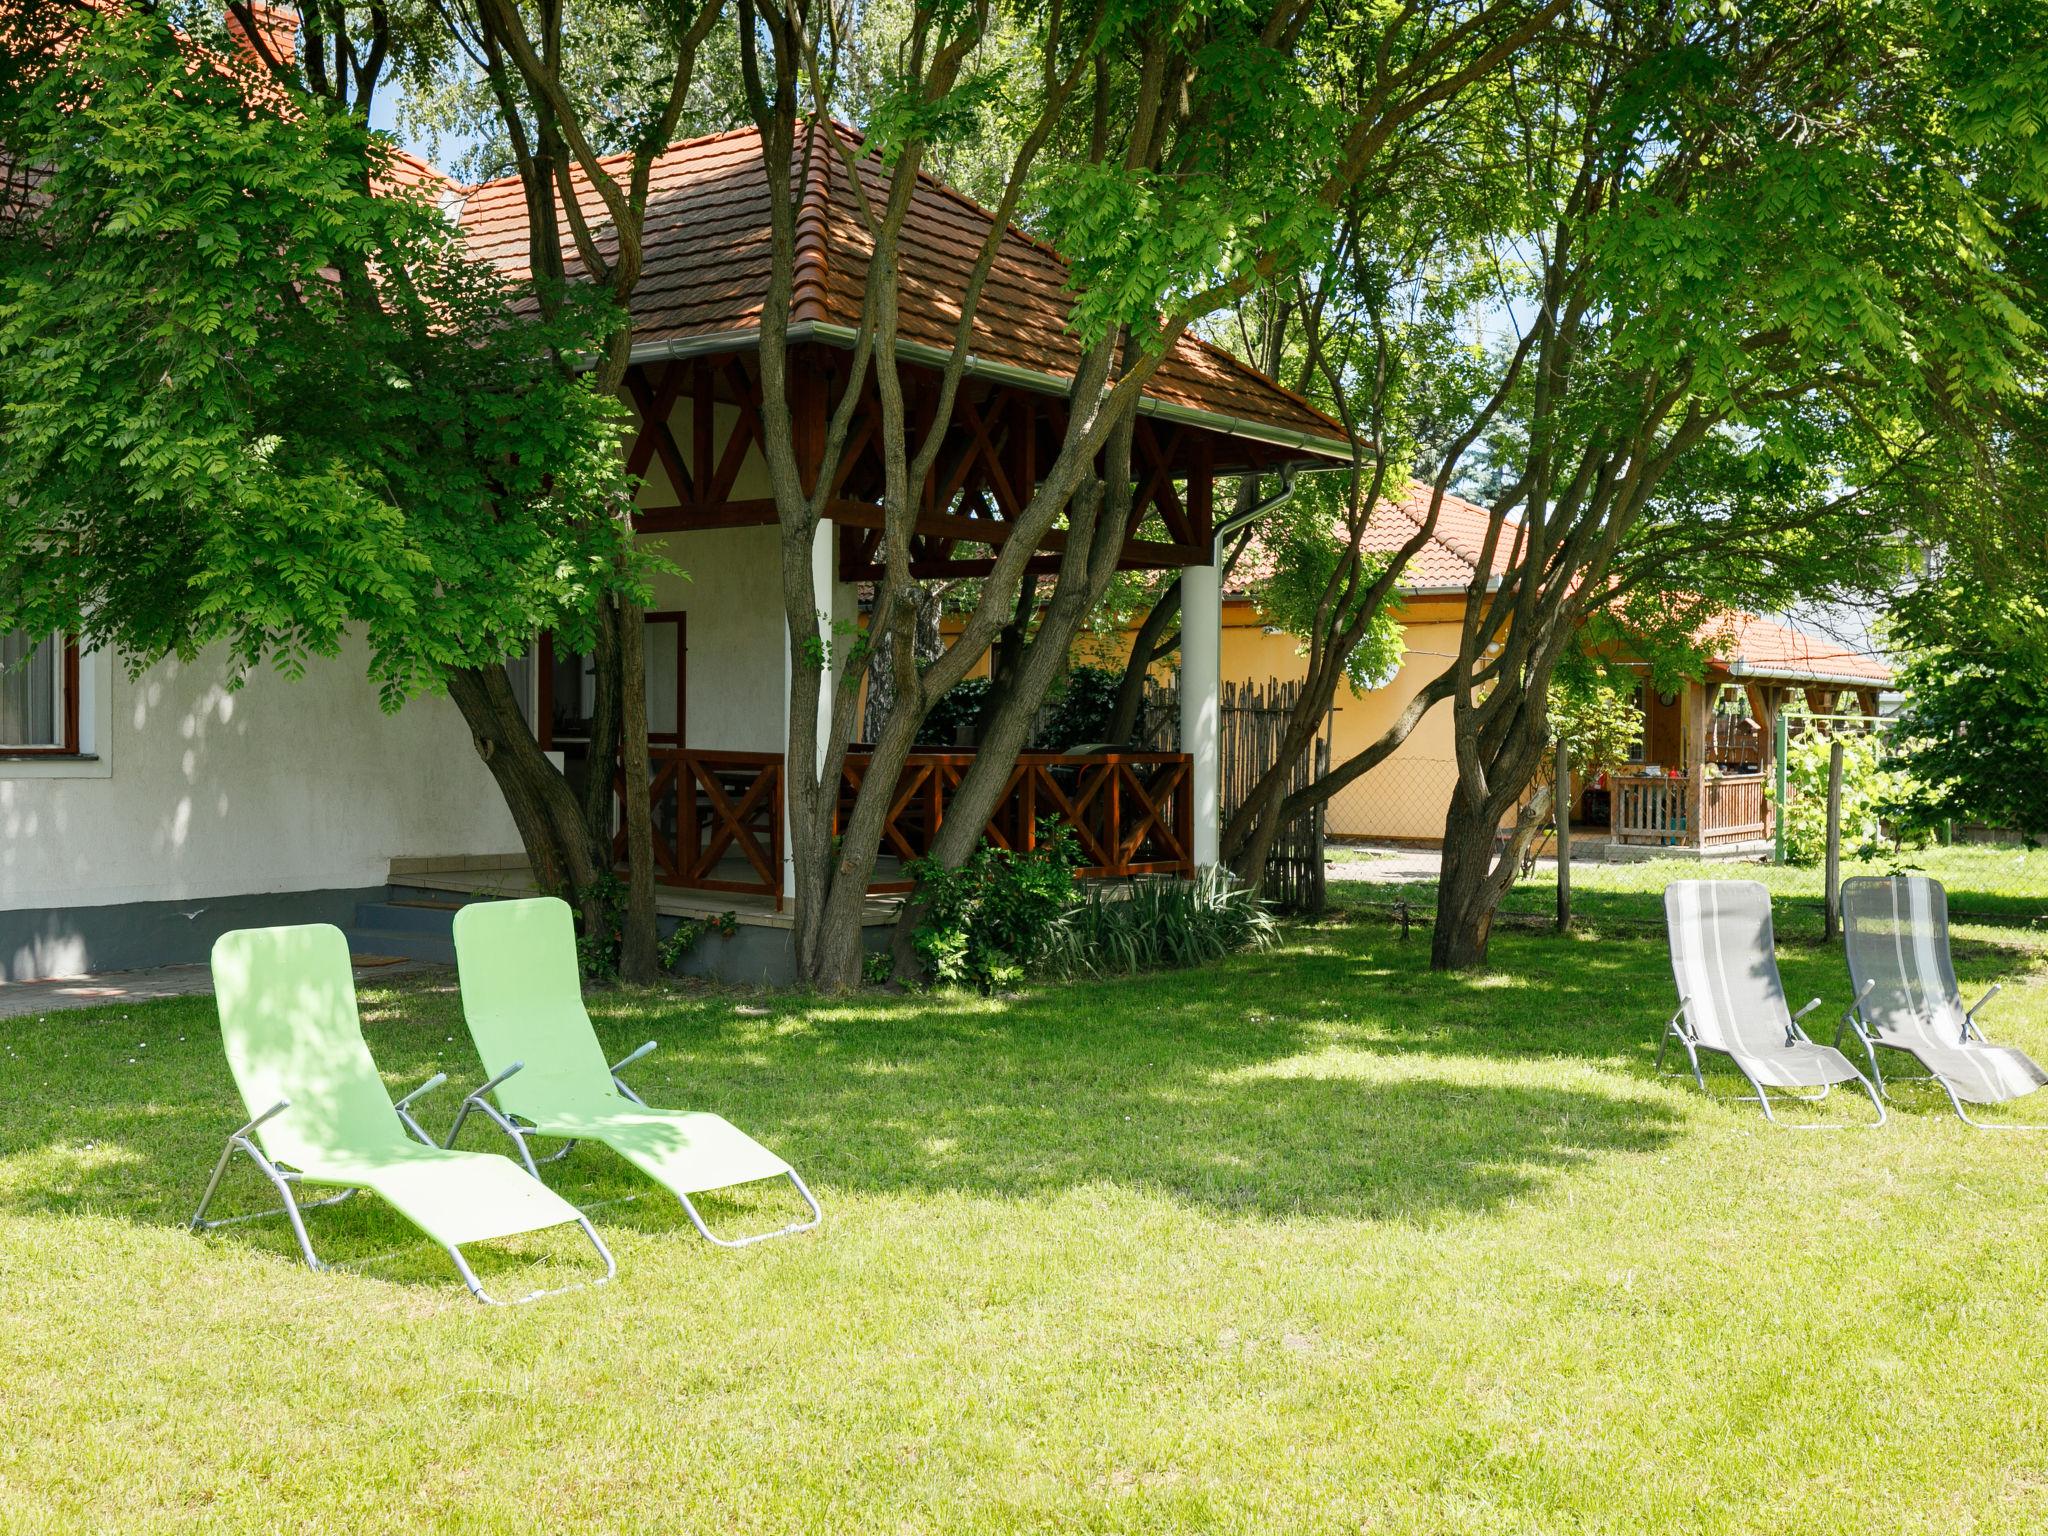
(1201, 715)
(824, 576)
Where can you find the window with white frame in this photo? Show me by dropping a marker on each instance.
(38, 693)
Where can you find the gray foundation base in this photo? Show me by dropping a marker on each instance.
(756, 955)
(42, 942)
(36, 942)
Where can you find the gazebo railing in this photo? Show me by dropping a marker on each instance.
(718, 816)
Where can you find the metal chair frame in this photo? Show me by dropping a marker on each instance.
(282, 1179)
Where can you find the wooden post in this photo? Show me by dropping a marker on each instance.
(1697, 716)
(1834, 862)
(1564, 836)
(1779, 754)
(1764, 704)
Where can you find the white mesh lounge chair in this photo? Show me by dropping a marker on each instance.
(1907, 998)
(1732, 1000)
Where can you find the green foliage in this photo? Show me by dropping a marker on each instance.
(1593, 709)
(1152, 925)
(988, 922)
(598, 948)
(1079, 710)
(1974, 729)
(670, 951)
(1236, 189)
(245, 400)
(959, 706)
(1869, 788)
(1307, 539)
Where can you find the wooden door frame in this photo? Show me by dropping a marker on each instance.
(544, 691)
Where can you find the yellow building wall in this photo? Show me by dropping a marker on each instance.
(1407, 796)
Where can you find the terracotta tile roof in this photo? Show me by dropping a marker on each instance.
(1745, 644)
(1444, 563)
(406, 172)
(707, 269)
(1748, 645)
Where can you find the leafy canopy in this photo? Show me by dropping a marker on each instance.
(1975, 728)
(1307, 539)
(246, 398)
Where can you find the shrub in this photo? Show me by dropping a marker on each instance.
(1158, 924)
(1867, 788)
(959, 705)
(1079, 713)
(988, 921)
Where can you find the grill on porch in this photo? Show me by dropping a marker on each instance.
(718, 816)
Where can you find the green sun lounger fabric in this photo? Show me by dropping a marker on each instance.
(524, 1003)
(291, 1031)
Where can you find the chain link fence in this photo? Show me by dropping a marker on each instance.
(1802, 813)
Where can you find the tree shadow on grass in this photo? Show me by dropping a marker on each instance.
(1199, 1087)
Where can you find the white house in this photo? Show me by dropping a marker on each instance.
(142, 816)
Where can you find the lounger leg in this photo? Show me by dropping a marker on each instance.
(1954, 1101)
(1988, 1125)
(490, 1112)
(289, 1205)
(1673, 1032)
(476, 1288)
(1763, 1099)
(791, 1230)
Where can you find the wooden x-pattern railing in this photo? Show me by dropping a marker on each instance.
(718, 815)
(709, 808)
(1130, 812)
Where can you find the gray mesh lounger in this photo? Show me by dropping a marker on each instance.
(1732, 1000)
(1907, 998)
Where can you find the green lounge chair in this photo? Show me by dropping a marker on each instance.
(524, 1002)
(321, 1115)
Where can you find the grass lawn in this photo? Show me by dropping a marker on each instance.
(1313, 1241)
(1995, 894)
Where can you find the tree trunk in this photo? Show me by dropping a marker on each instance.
(1076, 591)
(1005, 655)
(1468, 889)
(599, 792)
(637, 960)
(1146, 649)
(1474, 878)
(559, 848)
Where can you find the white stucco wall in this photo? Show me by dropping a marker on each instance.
(732, 591)
(731, 588)
(281, 786)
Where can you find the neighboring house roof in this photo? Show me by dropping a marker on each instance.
(707, 265)
(1751, 646)
(1444, 563)
(38, 28)
(1746, 645)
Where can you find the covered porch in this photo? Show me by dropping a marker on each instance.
(1709, 756)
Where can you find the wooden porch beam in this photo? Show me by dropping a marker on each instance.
(655, 402)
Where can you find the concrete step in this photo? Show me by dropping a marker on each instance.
(408, 915)
(438, 949)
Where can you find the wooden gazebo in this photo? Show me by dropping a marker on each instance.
(695, 391)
